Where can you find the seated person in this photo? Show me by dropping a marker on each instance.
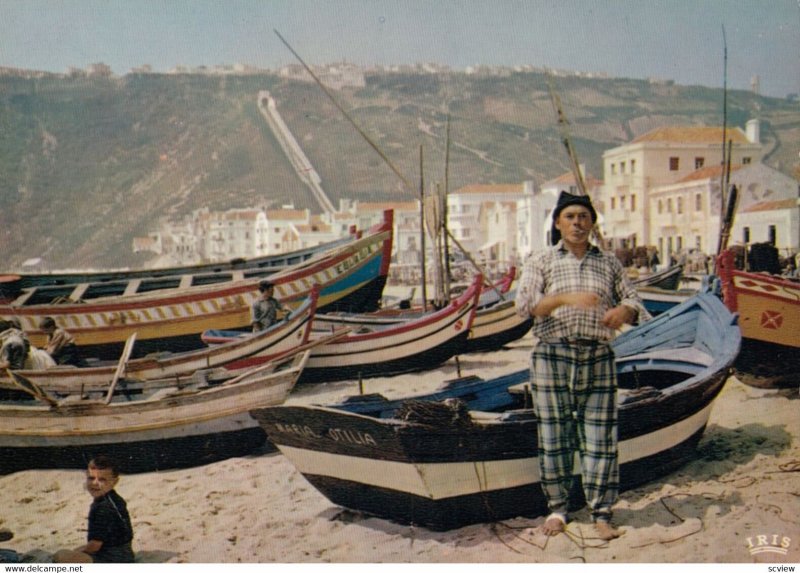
(60, 344)
(110, 531)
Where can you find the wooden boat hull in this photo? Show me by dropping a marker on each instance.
(350, 278)
(171, 428)
(495, 325)
(446, 475)
(769, 316)
(237, 355)
(668, 279)
(270, 263)
(406, 347)
(657, 300)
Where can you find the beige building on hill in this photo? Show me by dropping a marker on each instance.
(660, 158)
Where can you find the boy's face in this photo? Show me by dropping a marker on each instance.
(100, 482)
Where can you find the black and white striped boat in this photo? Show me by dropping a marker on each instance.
(442, 466)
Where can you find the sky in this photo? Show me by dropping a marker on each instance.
(681, 40)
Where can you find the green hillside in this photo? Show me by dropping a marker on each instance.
(86, 164)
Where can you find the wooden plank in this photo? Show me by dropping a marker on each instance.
(123, 361)
(78, 292)
(132, 287)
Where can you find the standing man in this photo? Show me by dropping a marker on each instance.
(266, 310)
(578, 297)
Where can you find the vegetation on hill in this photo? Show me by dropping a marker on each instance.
(89, 163)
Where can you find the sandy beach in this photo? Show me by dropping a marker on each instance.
(744, 483)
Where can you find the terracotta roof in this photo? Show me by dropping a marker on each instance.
(506, 188)
(692, 135)
(771, 205)
(286, 214)
(711, 172)
(397, 206)
(568, 178)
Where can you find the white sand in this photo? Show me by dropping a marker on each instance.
(260, 509)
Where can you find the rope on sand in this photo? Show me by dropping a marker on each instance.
(678, 517)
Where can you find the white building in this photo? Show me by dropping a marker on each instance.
(775, 222)
(687, 214)
(659, 158)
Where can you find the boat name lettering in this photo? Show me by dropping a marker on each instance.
(351, 437)
(297, 430)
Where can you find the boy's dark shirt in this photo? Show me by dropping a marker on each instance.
(110, 523)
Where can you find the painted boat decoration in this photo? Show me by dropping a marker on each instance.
(350, 278)
(769, 316)
(169, 428)
(448, 464)
(238, 354)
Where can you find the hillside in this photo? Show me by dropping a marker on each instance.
(86, 164)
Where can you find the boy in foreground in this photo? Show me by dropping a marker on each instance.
(110, 532)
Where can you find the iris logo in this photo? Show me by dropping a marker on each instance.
(774, 543)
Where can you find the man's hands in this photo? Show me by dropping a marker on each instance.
(613, 317)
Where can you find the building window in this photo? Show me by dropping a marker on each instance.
(698, 242)
(660, 206)
(613, 169)
(669, 205)
(699, 162)
(613, 203)
(622, 167)
(633, 203)
(622, 202)
(698, 202)
(746, 237)
(633, 166)
(745, 161)
(679, 243)
(680, 205)
(673, 163)
(772, 235)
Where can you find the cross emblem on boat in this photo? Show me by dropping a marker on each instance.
(771, 319)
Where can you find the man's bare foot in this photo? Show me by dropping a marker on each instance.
(554, 524)
(606, 531)
(6, 534)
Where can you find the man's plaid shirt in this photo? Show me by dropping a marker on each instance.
(555, 270)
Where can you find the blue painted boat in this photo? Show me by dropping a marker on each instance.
(468, 453)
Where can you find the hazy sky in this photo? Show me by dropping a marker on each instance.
(670, 39)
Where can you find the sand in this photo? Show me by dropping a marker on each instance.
(744, 483)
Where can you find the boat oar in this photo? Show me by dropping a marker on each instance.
(31, 388)
(123, 362)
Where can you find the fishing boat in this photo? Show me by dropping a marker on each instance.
(169, 428)
(657, 300)
(172, 318)
(666, 279)
(468, 452)
(769, 316)
(12, 284)
(496, 322)
(390, 349)
(241, 353)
